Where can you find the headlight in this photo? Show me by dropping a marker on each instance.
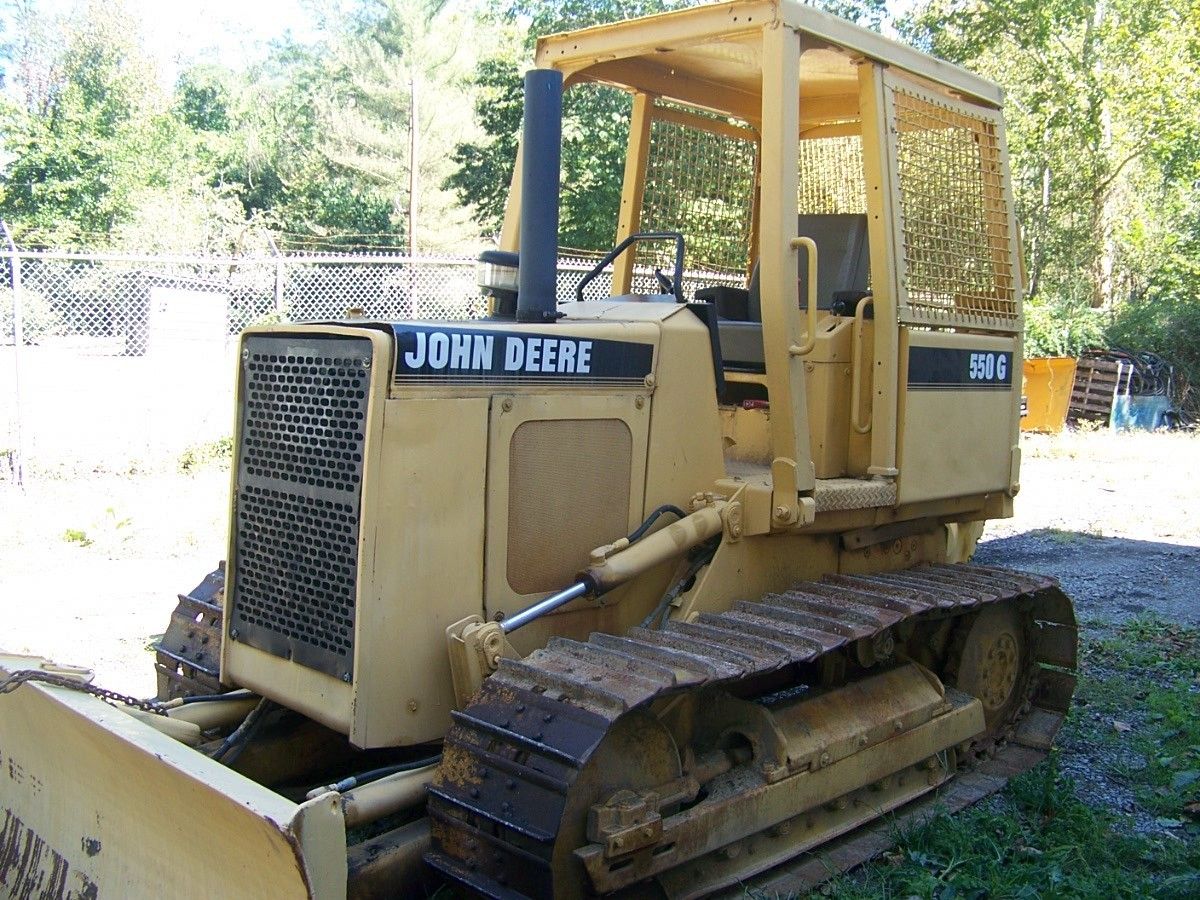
(497, 271)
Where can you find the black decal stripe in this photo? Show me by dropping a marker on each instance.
(969, 386)
(959, 368)
(521, 378)
(590, 360)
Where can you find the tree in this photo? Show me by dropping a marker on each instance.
(1101, 93)
(400, 88)
(257, 138)
(94, 134)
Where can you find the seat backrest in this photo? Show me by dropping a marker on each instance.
(843, 257)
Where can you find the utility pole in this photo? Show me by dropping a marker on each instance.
(278, 274)
(413, 164)
(18, 462)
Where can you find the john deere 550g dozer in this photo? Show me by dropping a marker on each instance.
(644, 593)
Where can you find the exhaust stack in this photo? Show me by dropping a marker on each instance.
(541, 148)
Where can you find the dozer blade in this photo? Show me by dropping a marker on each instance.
(95, 803)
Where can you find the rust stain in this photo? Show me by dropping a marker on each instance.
(457, 768)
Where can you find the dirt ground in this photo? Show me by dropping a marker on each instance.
(1115, 517)
(90, 565)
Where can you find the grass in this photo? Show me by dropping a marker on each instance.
(1064, 536)
(111, 531)
(1158, 666)
(1038, 837)
(77, 536)
(210, 453)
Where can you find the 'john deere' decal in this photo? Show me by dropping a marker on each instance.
(460, 354)
(954, 369)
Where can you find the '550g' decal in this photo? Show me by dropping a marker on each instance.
(988, 367)
(955, 369)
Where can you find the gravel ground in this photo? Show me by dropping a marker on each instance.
(1114, 518)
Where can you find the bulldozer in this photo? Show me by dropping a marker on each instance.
(656, 583)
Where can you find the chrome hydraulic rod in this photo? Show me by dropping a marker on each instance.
(553, 602)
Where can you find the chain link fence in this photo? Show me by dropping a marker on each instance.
(117, 361)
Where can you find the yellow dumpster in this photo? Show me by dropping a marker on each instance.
(1047, 393)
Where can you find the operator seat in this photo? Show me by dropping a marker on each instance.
(843, 257)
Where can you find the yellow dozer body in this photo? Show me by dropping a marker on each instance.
(653, 589)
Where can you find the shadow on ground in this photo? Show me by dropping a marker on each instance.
(1111, 580)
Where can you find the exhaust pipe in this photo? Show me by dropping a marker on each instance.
(541, 148)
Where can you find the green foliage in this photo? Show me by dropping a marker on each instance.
(96, 154)
(1163, 315)
(595, 133)
(1169, 326)
(1156, 663)
(108, 533)
(77, 536)
(868, 13)
(276, 163)
(485, 168)
(595, 127)
(204, 96)
(595, 120)
(313, 143)
(38, 317)
(1103, 109)
(1062, 327)
(1041, 840)
(77, 163)
(210, 453)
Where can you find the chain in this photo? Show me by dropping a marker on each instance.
(16, 679)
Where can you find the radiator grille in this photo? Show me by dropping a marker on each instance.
(303, 428)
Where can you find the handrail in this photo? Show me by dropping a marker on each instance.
(856, 355)
(811, 341)
(676, 282)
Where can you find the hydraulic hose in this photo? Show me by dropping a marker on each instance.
(641, 530)
(208, 698)
(657, 617)
(353, 781)
(233, 745)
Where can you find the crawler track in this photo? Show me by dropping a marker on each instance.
(513, 757)
(188, 655)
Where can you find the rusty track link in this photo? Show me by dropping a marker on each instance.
(512, 755)
(188, 655)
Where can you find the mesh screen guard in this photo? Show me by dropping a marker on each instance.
(701, 184)
(958, 260)
(300, 462)
(831, 176)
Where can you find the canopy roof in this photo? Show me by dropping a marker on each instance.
(711, 56)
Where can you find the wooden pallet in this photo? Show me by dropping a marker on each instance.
(1097, 383)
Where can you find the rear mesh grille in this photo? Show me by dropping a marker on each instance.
(300, 463)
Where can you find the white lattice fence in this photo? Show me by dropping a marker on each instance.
(106, 377)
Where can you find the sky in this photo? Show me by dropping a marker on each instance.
(232, 32)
